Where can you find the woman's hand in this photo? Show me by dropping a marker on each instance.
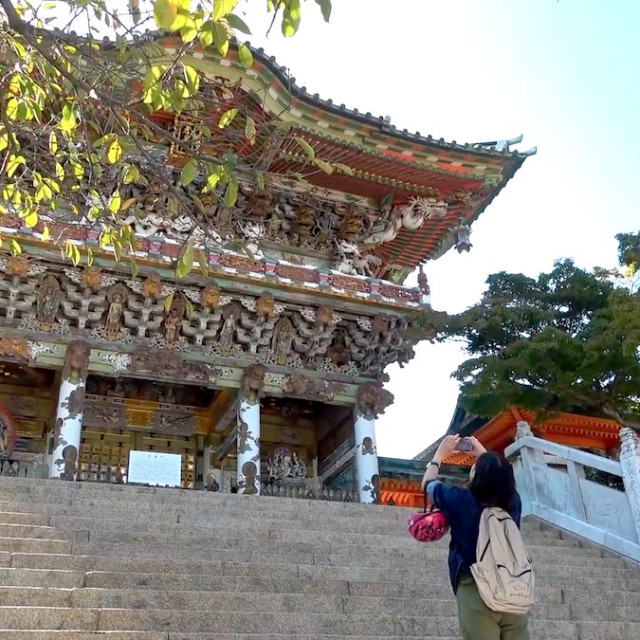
(447, 447)
(478, 448)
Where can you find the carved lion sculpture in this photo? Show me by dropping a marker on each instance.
(76, 363)
(253, 382)
(372, 399)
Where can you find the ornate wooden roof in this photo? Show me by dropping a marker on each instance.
(383, 163)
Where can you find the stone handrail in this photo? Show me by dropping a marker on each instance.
(558, 492)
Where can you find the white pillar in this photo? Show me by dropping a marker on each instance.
(248, 443)
(367, 471)
(371, 401)
(64, 460)
(630, 463)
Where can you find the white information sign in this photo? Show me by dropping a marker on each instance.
(156, 469)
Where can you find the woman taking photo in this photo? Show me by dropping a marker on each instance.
(491, 485)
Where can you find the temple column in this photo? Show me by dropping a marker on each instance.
(248, 442)
(64, 460)
(371, 401)
(630, 463)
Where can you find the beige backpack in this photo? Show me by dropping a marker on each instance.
(503, 571)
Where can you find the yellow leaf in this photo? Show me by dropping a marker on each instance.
(171, 15)
(45, 233)
(31, 219)
(127, 203)
(250, 130)
(15, 248)
(114, 152)
(221, 8)
(227, 118)
(53, 143)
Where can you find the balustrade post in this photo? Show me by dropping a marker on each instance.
(248, 443)
(522, 469)
(630, 463)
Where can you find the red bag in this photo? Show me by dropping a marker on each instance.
(428, 525)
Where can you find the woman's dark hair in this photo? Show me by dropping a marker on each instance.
(493, 484)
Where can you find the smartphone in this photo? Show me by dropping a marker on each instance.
(464, 445)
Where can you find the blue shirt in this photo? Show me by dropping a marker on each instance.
(463, 512)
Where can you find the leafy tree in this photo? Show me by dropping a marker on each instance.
(76, 111)
(568, 340)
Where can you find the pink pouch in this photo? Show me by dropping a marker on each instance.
(428, 525)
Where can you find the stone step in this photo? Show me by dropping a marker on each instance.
(15, 530)
(44, 578)
(189, 533)
(437, 571)
(213, 624)
(603, 630)
(323, 529)
(18, 517)
(162, 635)
(273, 603)
(34, 545)
(332, 555)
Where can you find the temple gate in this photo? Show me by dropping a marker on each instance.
(263, 368)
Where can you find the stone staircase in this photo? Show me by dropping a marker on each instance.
(82, 561)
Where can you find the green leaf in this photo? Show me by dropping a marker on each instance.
(68, 121)
(189, 172)
(134, 9)
(130, 174)
(222, 8)
(325, 7)
(343, 168)
(245, 56)
(168, 301)
(188, 307)
(291, 18)
(213, 178)
(220, 37)
(238, 24)
(324, 165)
(306, 147)
(114, 151)
(134, 268)
(250, 130)
(14, 247)
(192, 79)
(231, 193)
(227, 118)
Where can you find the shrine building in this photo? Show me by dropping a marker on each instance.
(400, 479)
(262, 370)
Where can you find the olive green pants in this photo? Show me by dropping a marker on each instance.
(478, 622)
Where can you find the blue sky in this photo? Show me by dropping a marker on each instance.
(565, 74)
